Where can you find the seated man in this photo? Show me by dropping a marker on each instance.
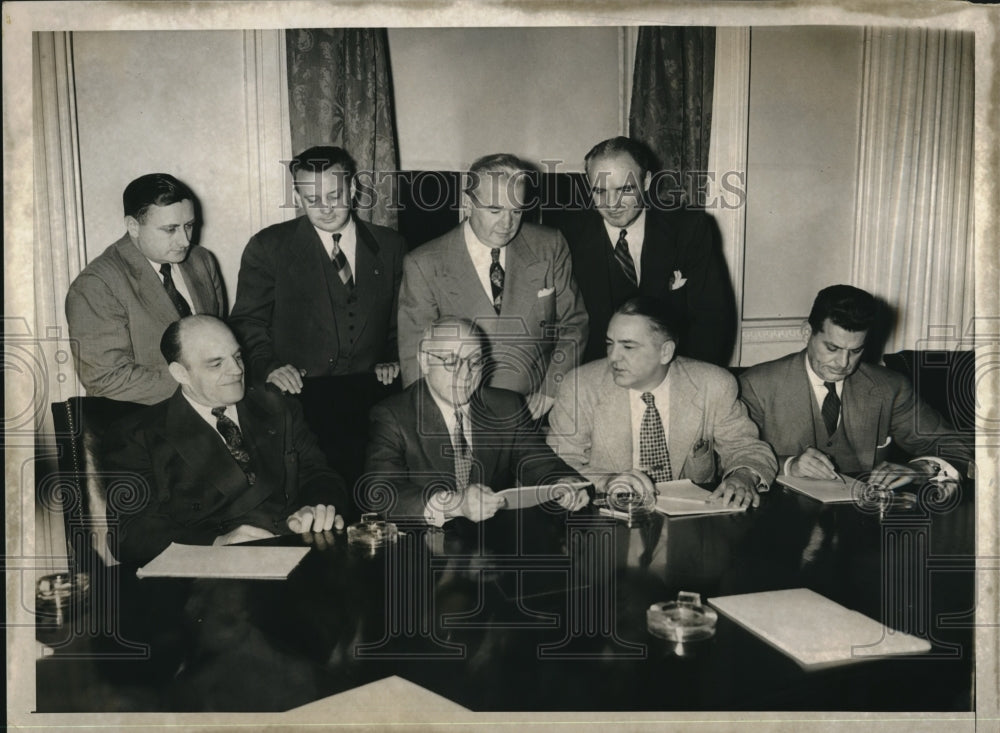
(446, 442)
(119, 305)
(220, 464)
(643, 415)
(823, 411)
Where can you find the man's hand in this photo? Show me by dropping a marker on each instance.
(287, 378)
(319, 518)
(893, 475)
(387, 371)
(634, 482)
(539, 404)
(479, 503)
(738, 490)
(243, 533)
(570, 498)
(812, 464)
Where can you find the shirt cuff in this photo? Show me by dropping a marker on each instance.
(784, 468)
(434, 509)
(945, 471)
(762, 485)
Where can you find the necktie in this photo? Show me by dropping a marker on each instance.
(463, 459)
(234, 441)
(496, 279)
(625, 258)
(653, 454)
(340, 262)
(176, 298)
(831, 407)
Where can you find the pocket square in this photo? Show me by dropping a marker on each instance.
(888, 439)
(545, 291)
(677, 280)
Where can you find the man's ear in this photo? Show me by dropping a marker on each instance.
(132, 227)
(178, 372)
(667, 351)
(807, 331)
(647, 179)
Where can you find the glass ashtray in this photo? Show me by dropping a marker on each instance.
(372, 533)
(57, 594)
(683, 620)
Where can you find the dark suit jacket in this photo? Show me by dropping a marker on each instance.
(675, 241)
(191, 488)
(117, 311)
(288, 311)
(542, 325)
(410, 448)
(877, 403)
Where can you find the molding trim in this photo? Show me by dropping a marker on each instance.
(727, 151)
(779, 330)
(269, 141)
(628, 39)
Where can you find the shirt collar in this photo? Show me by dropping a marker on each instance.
(633, 232)
(206, 412)
(346, 232)
(816, 380)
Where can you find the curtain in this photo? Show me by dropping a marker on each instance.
(340, 93)
(671, 107)
(914, 227)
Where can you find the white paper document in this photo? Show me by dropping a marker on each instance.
(523, 497)
(684, 497)
(826, 490)
(791, 620)
(226, 561)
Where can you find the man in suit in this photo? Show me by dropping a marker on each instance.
(219, 463)
(629, 245)
(119, 305)
(316, 296)
(514, 280)
(823, 411)
(644, 415)
(447, 441)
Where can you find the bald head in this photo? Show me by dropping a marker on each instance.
(204, 357)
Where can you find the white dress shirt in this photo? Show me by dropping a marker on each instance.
(206, 414)
(434, 509)
(179, 282)
(348, 243)
(635, 235)
(482, 259)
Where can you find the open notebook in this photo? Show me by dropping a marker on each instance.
(226, 561)
(828, 491)
(813, 630)
(682, 497)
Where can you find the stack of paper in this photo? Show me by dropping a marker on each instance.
(226, 561)
(528, 496)
(826, 490)
(682, 497)
(813, 630)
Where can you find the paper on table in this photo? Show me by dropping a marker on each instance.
(684, 497)
(788, 620)
(826, 490)
(523, 497)
(226, 561)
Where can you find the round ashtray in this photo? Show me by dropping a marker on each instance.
(371, 533)
(683, 620)
(56, 594)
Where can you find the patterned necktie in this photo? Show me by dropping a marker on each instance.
(463, 459)
(654, 457)
(340, 262)
(625, 258)
(496, 279)
(831, 408)
(234, 441)
(176, 298)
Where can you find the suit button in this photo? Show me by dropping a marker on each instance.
(377, 272)
(351, 327)
(829, 444)
(331, 361)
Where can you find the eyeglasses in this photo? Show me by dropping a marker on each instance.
(452, 361)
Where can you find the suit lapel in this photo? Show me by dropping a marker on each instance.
(432, 436)
(613, 424)
(525, 276)
(686, 418)
(861, 411)
(368, 274)
(149, 287)
(461, 280)
(263, 435)
(202, 295)
(307, 262)
(657, 256)
(799, 396)
(482, 418)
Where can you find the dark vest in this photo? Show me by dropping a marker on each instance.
(348, 324)
(837, 446)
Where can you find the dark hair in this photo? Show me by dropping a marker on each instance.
(170, 342)
(494, 167)
(849, 307)
(656, 310)
(615, 145)
(159, 189)
(323, 157)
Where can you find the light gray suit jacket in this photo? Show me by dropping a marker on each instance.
(118, 309)
(542, 326)
(590, 426)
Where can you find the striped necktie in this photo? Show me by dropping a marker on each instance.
(340, 262)
(496, 279)
(625, 258)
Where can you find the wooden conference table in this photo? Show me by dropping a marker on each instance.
(550, 616)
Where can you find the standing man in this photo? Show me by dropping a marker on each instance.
(644, 415)
(824, 411)
(626, 247)
(316, 296)
(120, 304)
(514, 280)
(447, 442)
(219, 463)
